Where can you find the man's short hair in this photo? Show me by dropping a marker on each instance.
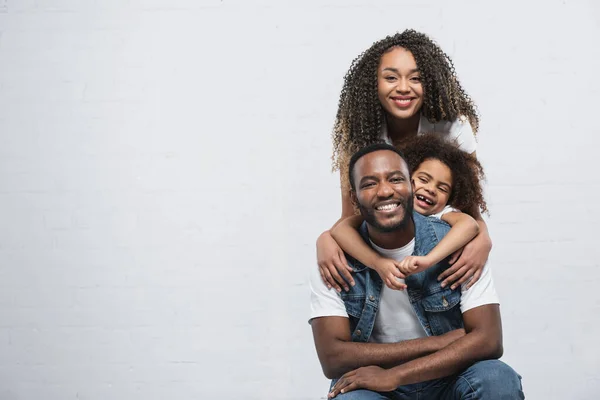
(370, 149)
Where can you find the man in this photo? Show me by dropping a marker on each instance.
(411, 344)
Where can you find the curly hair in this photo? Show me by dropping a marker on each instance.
(467, 172)
(360, 114)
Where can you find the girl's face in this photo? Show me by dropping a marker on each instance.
(432, 186)
(399, 84)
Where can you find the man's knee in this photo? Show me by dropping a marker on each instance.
(360, 395)
(493, 380)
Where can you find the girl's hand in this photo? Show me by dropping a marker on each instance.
(467, 263)
(389, 273)
(414, 264)
(332, 263)
(371, 378)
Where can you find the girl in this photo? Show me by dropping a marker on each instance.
(401, 87)
(445, 180)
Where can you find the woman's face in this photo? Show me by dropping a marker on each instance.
(399, 84)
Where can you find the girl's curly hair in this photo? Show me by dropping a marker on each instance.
(467, 172)
(360, 115)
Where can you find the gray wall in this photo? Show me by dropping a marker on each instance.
(165, 171)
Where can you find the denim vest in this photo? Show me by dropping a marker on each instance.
(437, 308)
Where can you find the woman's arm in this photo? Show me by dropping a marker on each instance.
(333, 265)
(470, 261)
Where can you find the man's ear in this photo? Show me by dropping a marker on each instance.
(353, 198)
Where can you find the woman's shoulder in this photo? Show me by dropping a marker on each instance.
(459, 130)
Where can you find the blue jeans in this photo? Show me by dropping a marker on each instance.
(489, 380)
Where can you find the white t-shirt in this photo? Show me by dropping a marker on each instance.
(459, 130)
(446, 210)
(395, 320)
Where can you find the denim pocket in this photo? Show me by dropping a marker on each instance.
(442, 310)
(354, 303)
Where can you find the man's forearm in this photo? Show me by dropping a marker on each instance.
(346, 356)
(477, 345)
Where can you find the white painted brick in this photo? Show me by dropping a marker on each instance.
(164, 176)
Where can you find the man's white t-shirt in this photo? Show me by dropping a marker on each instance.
(396, 320)
(459, 130)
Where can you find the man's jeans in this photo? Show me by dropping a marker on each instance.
(488, 380)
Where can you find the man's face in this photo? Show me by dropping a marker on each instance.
(383, 190)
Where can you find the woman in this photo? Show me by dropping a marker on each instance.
(402, 86)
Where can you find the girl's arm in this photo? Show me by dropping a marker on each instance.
(346, 235)
(464, 229)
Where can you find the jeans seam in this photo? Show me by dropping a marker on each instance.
(468, 383)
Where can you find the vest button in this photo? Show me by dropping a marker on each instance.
(358, 333)
(371, 298)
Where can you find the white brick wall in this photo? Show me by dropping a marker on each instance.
(164, 173)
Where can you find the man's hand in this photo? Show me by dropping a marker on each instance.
(467, 262)
(333, 264)
(371, 378)
(413, 264)
(389, 273)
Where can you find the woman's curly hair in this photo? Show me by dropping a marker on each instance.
(467, 172)
(360, 114)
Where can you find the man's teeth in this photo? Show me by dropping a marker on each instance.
(387, 207)
(426, 200)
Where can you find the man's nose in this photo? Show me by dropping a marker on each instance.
(385, 190)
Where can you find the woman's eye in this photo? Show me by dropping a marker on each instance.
(390, 78)
(416, 78)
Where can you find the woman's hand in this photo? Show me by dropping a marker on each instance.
(371, 378)
(332, 263)
(467, 263)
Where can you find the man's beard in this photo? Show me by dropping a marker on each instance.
(368, 214)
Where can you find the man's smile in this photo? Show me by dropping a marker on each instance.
(388, 206)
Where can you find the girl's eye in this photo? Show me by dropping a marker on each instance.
(423, 179)
(443, 189)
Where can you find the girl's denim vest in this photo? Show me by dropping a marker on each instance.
(437, 308)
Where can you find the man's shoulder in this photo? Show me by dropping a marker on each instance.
(430, 222)
(428, 232)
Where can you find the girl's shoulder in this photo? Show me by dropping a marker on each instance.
(446, 210)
